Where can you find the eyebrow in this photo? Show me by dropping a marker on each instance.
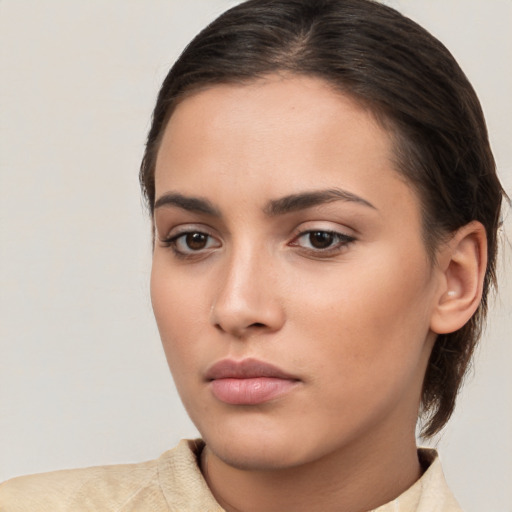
(275, 207)
(304, 200)
(191, 204)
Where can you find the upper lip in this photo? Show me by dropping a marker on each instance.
(245, 369)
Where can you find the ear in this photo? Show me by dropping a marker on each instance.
(462, 263)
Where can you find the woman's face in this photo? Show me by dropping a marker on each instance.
(290, 283)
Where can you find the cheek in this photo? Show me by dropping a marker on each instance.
(368, 352)
(179, 310)
(372, 316)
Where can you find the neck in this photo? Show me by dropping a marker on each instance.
(352, 479)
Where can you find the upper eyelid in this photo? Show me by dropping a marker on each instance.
(303, 228)
(328, 226)
(333, 232)
(344, 237)
(183, 229)
(323, 230)
(177, 236)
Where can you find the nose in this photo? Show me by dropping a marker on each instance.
(247, 300)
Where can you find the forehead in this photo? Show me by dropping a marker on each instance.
(280, 135)
(270, 101)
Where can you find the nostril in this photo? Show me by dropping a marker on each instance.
(240, 332)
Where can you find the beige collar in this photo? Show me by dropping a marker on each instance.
(183, 484)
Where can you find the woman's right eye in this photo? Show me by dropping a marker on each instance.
(191, 243)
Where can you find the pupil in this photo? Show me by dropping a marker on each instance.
(321, 239)
(196, 241)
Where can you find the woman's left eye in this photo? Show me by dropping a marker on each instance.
(320, 240)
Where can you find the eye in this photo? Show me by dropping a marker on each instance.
(191, 243)
(322, 241)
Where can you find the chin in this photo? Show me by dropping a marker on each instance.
(253, 445)
(252, 454)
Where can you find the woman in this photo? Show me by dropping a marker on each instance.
(325, 209)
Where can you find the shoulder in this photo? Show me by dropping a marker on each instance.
(171, 482)
(96, 488)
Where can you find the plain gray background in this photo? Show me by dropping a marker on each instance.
(83, 379)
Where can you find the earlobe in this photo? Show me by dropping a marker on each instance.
(463, 262)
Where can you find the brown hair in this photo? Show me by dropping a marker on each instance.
(412, 84)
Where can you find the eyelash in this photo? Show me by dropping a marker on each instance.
(173, 241)
(342, 241)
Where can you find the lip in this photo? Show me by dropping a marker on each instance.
(248, 382)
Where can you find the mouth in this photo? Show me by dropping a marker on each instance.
(248, 382)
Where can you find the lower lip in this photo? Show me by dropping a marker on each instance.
(251, 391)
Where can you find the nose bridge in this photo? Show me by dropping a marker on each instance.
(247, 297)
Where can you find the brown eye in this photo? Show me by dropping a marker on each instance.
(322, 243)
(192, 244)
(321, 239)
(196, 241)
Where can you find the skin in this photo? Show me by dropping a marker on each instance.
(352, 323)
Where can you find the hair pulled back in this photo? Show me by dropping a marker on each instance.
(413, 86)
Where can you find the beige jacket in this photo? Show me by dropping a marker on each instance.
(174, 483)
